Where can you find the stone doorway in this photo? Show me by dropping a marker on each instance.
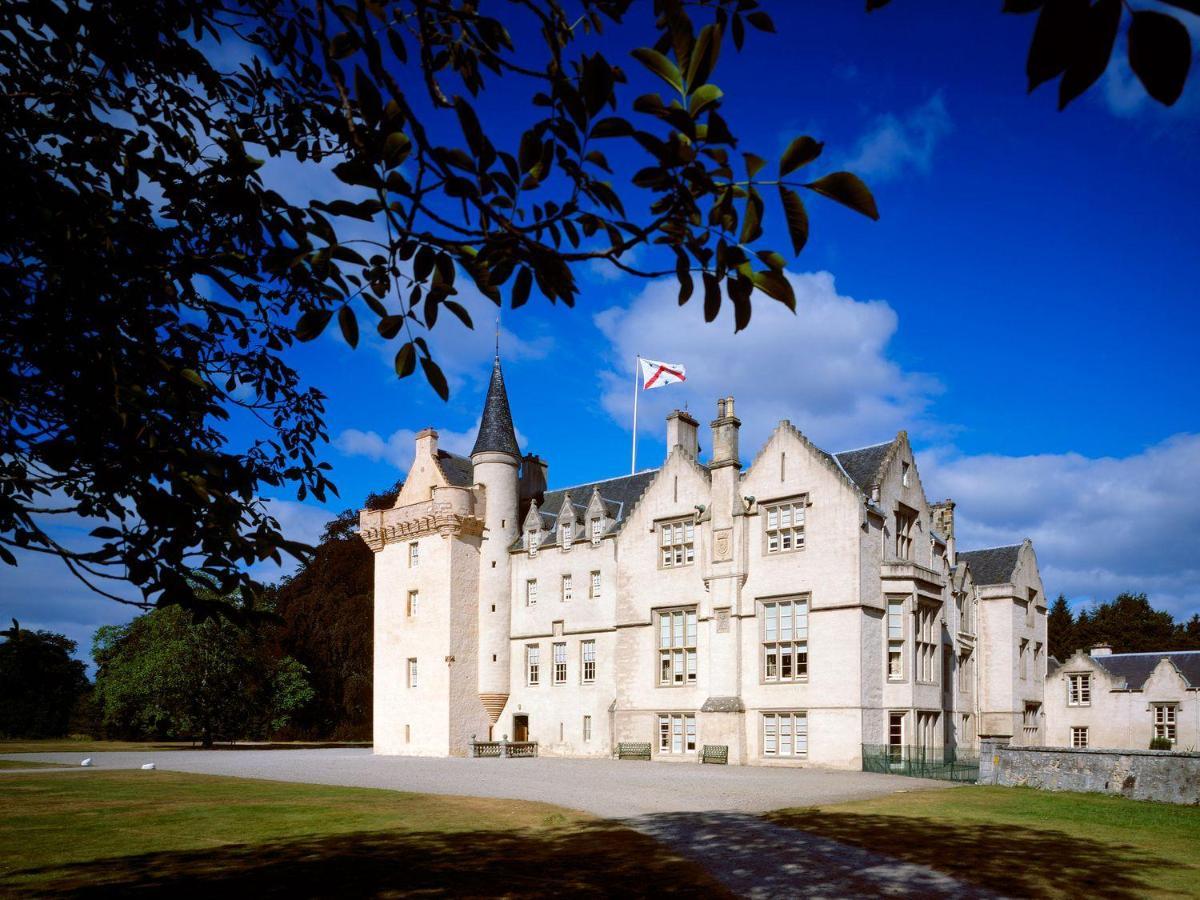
(520, 727)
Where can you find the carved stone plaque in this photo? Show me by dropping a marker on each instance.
(722, 545)
(722, 621)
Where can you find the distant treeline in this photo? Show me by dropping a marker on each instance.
(1128, 623)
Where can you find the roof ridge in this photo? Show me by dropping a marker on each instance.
(601, 481)
(863, 447)
(997, 547)
(1145, 653)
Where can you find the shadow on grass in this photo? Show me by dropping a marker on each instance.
(594, 860)
(1008, 859)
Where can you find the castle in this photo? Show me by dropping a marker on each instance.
(794, 610)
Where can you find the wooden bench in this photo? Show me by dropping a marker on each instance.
(715, 753)
(633, 751)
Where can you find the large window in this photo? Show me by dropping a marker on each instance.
(785, 640)
(531, 592)
(1031, 721)
(785, 526)
(895, 626)
(927, 729)
(1079, 736)
(533, 659)
(587, 653)
(560, 663)
(906, 521)
(785, 734)
(966, 613)
(927, 643)
(895, 736)
(677, 540)
(676, 733)
(1079, 690)
(965, 679)
(1164, 721)
(677, 646)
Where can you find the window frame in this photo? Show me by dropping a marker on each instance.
(770, 612)
(413, 603)
(669, 548)
(678, 647)
(1166, 721)
(587, 667)
(897, 674)
(414, 554)
(926, 644)
(558, 658)
(771, 732)
(531, 591)
(566, 589)
(411, 672)
(687, 728)
(533, 665)
(594, 584)
(905, 519)
(1082, 697)
(796, 534)
(1080, 739)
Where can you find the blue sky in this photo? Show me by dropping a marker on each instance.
(1024, 308)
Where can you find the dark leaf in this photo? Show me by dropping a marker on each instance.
(797, 218)
(389, 326)
(1091, 51)
(433, 374)
(660, 66)
(754, 164)
(704, 56)
(396, 148)
(521, 286)
(1050, 51)
(762, 21)
(1021, 6)
(703, 97)
(752, 220)
(775, 284)
(406, 360)
(312, 323)
(847, 189)
(799, 152)
(612, 127)
(712, 296)
(349, 325)
(457, 308)
(1160, 53)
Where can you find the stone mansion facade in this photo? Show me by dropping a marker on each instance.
(793, 609)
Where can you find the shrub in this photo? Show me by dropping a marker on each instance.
(1160, 743)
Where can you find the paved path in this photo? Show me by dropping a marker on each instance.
(605, 787)
(703, 813)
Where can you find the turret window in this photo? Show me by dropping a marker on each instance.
(785, 526)
(677, 540)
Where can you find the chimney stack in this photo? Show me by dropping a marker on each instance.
(1101, 650)
(682, 432)
(725, 435)
(534, 473)
(426, 443)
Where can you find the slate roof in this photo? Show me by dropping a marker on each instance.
(862, 465)
(459, 470)
(496, 432)
(1135, 668)
(618, 495)
(993, 565)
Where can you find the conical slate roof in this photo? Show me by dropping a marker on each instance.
(496, 433)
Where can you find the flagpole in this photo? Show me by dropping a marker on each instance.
(637, 365)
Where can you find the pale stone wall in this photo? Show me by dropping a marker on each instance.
(1162, 776)
(471, 561)
(1118, 717)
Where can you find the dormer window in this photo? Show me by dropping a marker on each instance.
(904, 470)
(597, 529)
(532, 540)
(567, 534)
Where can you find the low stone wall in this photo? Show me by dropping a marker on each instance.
(1162, 775)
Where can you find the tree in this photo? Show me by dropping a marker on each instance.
(165, 675)
(1129, 624)
(1060, 630)
(40, 682)
(153, 281)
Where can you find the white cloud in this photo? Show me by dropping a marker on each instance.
(397, 448)
(896, 145)
(1099, 525)
(826, 367)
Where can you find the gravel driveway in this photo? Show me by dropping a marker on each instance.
(605, 787)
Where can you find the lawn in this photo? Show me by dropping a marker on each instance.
(87, 745)
(104, 832)
(1023, 842)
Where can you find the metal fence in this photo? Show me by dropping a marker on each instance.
(942, 763)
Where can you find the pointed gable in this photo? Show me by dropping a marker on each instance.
(992, 565)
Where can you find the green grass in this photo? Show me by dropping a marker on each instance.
(1025, 842)
(27, 764)
(110, 832)
(87, 745)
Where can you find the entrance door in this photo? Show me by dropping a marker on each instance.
(520, 728)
